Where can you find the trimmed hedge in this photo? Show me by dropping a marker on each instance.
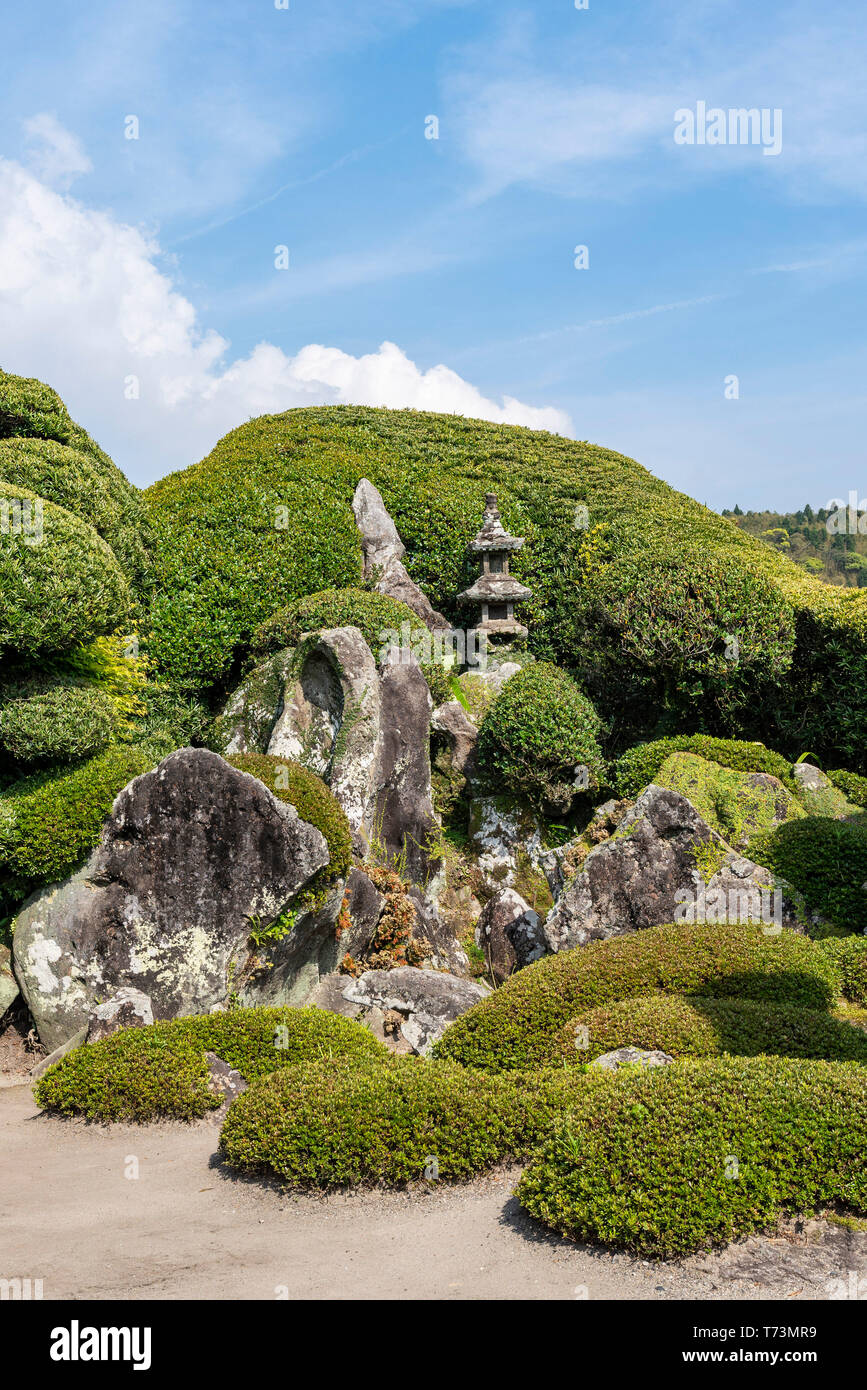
(373, 614)
(824, 859)
(537, 732)
(638, 767)
(313, 801)
(853, 787)
(848, 955)
(332, 1124)
(50, 821)
(62, 589)
(673, 1160)
(159, 1072)
(514, 1028)
(698, 1027)
(64, 723)
(729, 801)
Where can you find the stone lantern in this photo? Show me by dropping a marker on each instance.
(496, 592)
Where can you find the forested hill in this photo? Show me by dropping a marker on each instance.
(833, 553)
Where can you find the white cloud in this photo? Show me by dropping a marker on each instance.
(55, 154)
(86, 308)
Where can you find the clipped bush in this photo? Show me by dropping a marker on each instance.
(673, 1160)
(331, 1124)
(733, 803)
(848, 955)
(697, 1027)
(853, 787)
(638, 767)
(61, 583)
(313, 801)
(51, 820)
(538, 731)
(826, 860)
(64, 723)
(514, 1028)
(159, 1072)
(376, 616)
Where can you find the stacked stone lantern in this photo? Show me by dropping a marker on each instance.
(496, 592)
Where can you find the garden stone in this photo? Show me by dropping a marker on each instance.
(248, 718)
(405, 822)
(510, 934)
(383, 552)
(631, 1057)
(128, 1008)
(8, 984)
(427, 1000)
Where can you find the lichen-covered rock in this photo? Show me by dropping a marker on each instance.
(819, 795)
(664, 863)
(506, 836)
(632, 1057)
(427, 1000)
(446, 952)
(383, 553)
(363, 903)
(510, 934)
(404, 819)
(127, 1008)
(248, 718)
(8, 984)
(736, 804)
(192, 858)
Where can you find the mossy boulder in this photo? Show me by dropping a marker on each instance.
(736, 804)
(639, 766)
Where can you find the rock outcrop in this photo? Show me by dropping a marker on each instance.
(128, 1008)
(632, 1057)
(426, 1000)
(193, 857)
(510, 934)
(383, 552)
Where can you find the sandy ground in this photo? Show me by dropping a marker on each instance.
(187, 1228)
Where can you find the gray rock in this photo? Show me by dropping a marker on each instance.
(224, 1080)
(503, 832)
(8, 984)
(427, 1000)
(459, 734)
(405, 821)
(77, 1039)
(631, 1057)
(447, 953)
(652, 871)
(364, 903)
(383, 552)
(128, 1008)
(510, 934)
(806, 775)
(247, 721)
(331, 721)
(192, 854)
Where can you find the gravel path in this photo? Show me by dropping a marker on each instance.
(186, 1228)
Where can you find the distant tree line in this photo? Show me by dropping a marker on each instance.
(835, 553)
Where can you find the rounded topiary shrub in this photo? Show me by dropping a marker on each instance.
(332, 1123)
(61, 583)
(853, 786)
(51, 820)
(516, 1027)
(676, 1159)
(701, 1027)
(313, 801)
(539, 731)
(62, 724)
(159, 1072)
(738, 805)
(848, 954)
(826, 860)
(638, 767)
(380, 620)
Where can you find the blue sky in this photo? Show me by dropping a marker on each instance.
(152, 260)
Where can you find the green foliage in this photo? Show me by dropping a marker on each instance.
(514, 1028)
(50, 821)
(159, 1072)
(313, 801)
(698, 1027)
(849, 957)
(331, 1124)
(672, 1160)
(538, 731)
(62, 724)
(729, 801)
(853, 786)
(61, 584)
(375, 615)
(638, 766)
(826, 860)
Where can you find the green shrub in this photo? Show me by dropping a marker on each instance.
(673, 1160)
(331, 1124)
(853, 786)
(50, 821)
(64, 723)
(538, 731)
(638, 767)
(729, 801)
(223, 566)
(160, 1072)
(698, 1027)
(514, 1028)
(375, 616)
(848, 955)
(60, 582)
(313, 801)
(826, 860)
